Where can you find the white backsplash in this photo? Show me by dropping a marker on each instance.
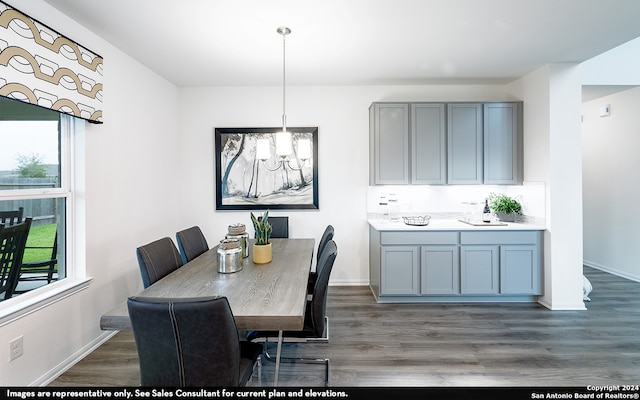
(457, 200)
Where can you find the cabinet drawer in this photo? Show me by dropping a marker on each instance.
(520, 237)
(418, 238)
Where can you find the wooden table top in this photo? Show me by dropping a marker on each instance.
(262, 296)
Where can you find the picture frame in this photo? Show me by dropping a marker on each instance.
(264, 168)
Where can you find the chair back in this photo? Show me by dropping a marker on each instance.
(13, 239)
(317, 306)
(326, 236)
(157, 260)
(185, 342)
(280, 226)
(191, 243)
(11, 217)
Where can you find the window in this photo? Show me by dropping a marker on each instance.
(36, 177)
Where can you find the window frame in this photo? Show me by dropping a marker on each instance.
(71, 183)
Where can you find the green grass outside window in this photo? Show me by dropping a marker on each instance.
(40, 236)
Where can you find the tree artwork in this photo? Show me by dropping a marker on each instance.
(249, 180)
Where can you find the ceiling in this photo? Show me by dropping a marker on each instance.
(355, 42)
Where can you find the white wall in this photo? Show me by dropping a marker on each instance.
(132, 197)
(610, 183)
(551, 96)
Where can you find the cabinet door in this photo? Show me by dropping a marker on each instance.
(502, 144)
(399, 270)
(439, 270)
(389, 136)
(464, 143)
(479, 271)
(428, 144)
(519, 270)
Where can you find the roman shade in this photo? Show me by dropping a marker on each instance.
(40, 66)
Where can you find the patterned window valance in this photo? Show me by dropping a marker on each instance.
(42, 67)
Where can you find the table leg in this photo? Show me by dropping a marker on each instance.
(278, 351)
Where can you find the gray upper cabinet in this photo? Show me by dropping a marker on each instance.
(389, 143)
(428, 144)
(502, 143)
(464, 147)
(445, 143)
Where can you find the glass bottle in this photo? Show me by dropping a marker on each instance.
(394, 207)
(486, 212)
(383, 208)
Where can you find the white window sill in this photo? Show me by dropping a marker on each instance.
(32, 301)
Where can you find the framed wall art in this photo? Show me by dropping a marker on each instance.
(266, 168)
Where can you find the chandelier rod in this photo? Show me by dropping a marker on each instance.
(284, 31)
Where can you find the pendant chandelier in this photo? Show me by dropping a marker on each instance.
(284, 139)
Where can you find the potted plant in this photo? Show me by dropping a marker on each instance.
(262, 245)
(506, 208)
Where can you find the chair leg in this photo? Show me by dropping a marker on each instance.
(303, 360)
(260, 371)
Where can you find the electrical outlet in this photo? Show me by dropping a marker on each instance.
(15, 348)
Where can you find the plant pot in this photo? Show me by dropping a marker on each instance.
(506, 217)
(262, 253)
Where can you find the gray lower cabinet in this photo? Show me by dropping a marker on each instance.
(479, 270)
(519, 269)
(439, 272)
(400, 270)
(420, 266)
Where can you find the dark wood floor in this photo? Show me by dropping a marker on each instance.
(442, 345)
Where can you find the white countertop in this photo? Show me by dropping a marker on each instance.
(451, 225)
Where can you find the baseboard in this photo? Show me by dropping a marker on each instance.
(612, 271)
(61, 368)
(344, 282)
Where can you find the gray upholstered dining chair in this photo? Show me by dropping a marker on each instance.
(191, 243)
(191, 342)
(315, 318)
(157, 259)
(13, 239)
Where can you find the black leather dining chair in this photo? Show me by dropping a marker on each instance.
(280, 226)
(315, 318)
(13, 239)
(191, 243)
(157, 259)
(191, 342)
(324, 239)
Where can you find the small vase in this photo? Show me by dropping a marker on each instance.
(262, 253)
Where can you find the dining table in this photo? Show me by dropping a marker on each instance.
(269, 296)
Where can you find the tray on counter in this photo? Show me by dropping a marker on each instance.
(481, 223)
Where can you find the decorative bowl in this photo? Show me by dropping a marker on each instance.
(419, 220)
